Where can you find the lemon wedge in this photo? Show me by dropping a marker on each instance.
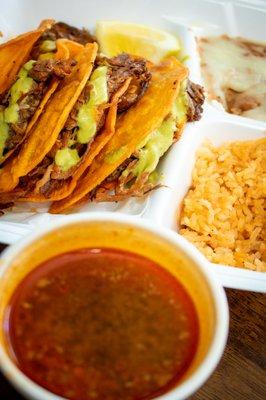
(117, 37)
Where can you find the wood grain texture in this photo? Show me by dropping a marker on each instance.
(241, 372)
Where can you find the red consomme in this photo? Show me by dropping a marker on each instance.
(102, 324)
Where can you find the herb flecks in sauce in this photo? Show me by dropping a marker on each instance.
(102, 324)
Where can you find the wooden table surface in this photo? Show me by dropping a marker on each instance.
(241, 372)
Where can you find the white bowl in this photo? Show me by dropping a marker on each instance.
(192, 270)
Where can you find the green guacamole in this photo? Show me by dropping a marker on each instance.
(159, 141)
(66, 158)
(3, 133)
(114, 156)
(10, 115)
(22, 85)
(86, 119)
(48, 46)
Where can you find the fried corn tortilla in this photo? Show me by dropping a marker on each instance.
(132, 128)
(63, 53)
(73, 47)
(113, 87)
(44, 134)
(138, 174)
(15, 52)
(60, 30)
(37, 78)
(99, 142)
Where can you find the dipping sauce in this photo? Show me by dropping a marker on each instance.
(102, 324)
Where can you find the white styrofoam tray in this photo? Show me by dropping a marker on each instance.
(187, 19)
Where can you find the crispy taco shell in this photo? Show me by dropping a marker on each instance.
(74, 48)
(43, 135)
(15, 52)
(100, 141)
(62, 52)
(132, 128)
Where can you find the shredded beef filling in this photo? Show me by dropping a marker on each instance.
(41, 72)
(116, 187)
(195, 101)
(27, 184)
(61, 30)
(116, 191)
(51, 186)
(69, 134)
(121, 68)
(44, 69)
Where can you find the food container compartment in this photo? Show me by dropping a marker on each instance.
(177, 168)
(28, 216)
(245, 19)
(188, 19)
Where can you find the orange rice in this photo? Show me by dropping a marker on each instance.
(224, 211)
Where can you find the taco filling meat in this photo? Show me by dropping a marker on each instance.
(137, 175)
(23, 99)
(87, 119)
(20, 102)
(45, 47)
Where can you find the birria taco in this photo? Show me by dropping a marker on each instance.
(65, 144)
(126, 166)
(32, 65)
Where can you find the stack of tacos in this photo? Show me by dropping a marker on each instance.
(99, 126)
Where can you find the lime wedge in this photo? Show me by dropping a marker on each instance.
(117, 37)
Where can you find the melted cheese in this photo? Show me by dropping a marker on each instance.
(240, 67)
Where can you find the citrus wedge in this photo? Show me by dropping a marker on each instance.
(117, 37)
